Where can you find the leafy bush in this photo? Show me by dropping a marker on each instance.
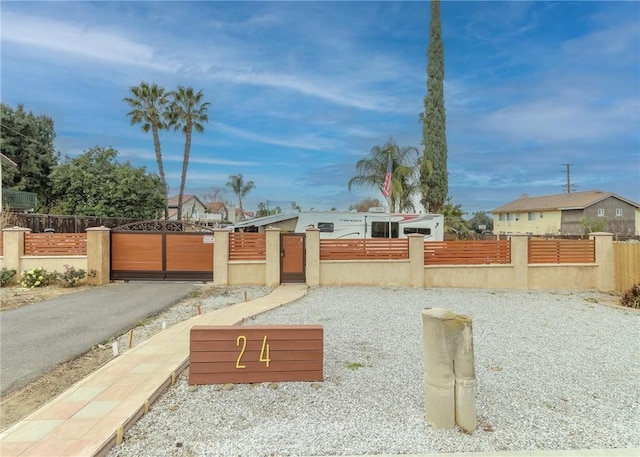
(70, 277)
(631, 298)
(6, 276)
(36, 277)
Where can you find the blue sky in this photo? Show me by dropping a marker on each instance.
(300, 91)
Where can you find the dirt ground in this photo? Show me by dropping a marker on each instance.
(17, 404)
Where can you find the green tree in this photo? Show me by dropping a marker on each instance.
(434, 184)
(240, 189)
(96, 184)
(453, 221)
(591, 225)
(27, 139)
(480, 219)
(187, 112)
(148, 104)
(372, 171)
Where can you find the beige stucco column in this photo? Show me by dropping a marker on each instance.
(13, 248)
(416, 259)
(604, 259)
(272, 272)
(99, 255)
(520, 260)
(450, 380)
(221, 257)
(312, 266)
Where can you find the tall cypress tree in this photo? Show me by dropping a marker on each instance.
(433, 170)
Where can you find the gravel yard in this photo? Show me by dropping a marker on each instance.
(554, 370)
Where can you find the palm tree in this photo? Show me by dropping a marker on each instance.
(404, 182)
(453, 221)
(148, 104)
(187, 112)
(240, 188)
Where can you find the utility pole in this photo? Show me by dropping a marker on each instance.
(568, 165)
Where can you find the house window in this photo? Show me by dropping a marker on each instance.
(509, 216)
(325, 226)
(600, 212)
(532, 216)
(502, 217)
(618, 212)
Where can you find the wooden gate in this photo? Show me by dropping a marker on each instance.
(292, 257)
(162, 250)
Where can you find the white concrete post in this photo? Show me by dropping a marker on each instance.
(450, 383)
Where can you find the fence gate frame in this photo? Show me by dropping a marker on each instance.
(291, 256)
(165, 251)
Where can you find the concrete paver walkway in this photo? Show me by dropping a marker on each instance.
(90, 417)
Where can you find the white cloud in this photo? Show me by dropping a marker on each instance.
(93, 42)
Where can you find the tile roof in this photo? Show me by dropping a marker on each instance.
(573, 200)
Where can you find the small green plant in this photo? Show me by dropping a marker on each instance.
(70, 277)
(6, 276)
(354, 365)
(631, 297)
(36, 277)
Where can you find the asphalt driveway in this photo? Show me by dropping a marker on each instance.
(34, 339)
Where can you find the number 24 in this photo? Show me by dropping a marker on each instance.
(264, 352)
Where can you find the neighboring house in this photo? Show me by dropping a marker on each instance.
(563, 214)
(217, 210)
(192, 208)
(244, 215)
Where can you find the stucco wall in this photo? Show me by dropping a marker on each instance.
(577, 277)
(53, 263)
(476, 276)
(242, 273)
(368, 272)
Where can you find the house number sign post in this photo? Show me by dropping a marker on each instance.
(259, 353)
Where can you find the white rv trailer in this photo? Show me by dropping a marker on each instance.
(337, 224)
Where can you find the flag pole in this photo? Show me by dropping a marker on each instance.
(386, 189)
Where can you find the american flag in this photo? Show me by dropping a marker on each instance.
(386, 189)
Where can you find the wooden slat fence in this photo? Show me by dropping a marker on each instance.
(55, 244)
(364, 249)
(477, 252)
(247, 246)
(562, 251)
(626, 260)
(1, 241)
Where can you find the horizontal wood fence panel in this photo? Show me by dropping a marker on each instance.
(55, 244)
(626, 259)
(364, 249)
(132, 251)
(189, 252)
(475, 252)
(237, 354)
(562, 251)
(247, 246)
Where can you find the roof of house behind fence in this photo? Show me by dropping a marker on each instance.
(573, 200)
